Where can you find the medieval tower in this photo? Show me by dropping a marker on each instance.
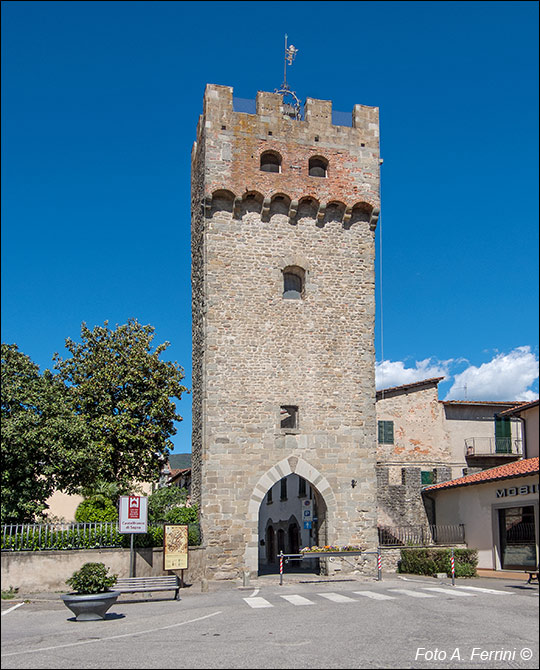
(284, 211)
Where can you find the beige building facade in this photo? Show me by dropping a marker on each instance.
(424, 441)
(284, 212)
(499, 510)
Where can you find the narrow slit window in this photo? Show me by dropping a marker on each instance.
(283, 495)
(293, 283)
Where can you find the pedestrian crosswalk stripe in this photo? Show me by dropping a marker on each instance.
(374, 596)
(447, 592)
(298, 600)
(412, 594)
(258, 602)
(337, 598)
(482, 590)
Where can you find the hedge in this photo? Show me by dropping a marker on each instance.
(101, 535)
(432, 561)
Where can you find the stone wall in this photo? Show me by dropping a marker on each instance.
(401, 504)
(255, 351)
(37, 571)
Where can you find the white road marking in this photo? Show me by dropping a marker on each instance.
(11, 609)
(255, 593)
(298, 600)
(447, 592)
(258, 602)
(374, 596)
(113, 637)
(337, 598)
(412, 594)
(482, 590)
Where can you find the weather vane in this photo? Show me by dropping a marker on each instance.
(292, 109)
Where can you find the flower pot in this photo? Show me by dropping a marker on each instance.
(90, 606)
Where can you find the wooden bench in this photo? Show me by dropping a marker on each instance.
(142, 584)
(533, 574)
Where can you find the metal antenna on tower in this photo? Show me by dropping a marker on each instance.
(292, 108)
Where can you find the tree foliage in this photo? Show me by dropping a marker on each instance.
(170, 503)
(96, 508)
(124, 393)
(45, 446)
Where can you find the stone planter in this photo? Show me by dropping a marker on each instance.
(90, 606)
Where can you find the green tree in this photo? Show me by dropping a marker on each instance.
(124, 392)
(165, 505)
(45, 446)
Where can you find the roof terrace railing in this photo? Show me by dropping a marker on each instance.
(493, 446)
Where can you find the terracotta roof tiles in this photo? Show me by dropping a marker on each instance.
(527, 466)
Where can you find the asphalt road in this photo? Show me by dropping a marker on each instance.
(396, 623)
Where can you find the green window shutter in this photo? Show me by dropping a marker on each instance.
(427, 477)
(503, 436)
(386, 432)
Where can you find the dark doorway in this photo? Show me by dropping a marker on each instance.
(270, 550)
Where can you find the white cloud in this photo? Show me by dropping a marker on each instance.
(505, 377)
(394, 373)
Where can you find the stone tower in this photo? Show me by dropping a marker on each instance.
(283, 227)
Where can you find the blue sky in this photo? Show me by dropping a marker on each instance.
(100, 102)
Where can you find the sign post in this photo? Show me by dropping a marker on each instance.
(175, 548)
(132, 518)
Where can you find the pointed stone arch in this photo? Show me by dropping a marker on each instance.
(290, 465)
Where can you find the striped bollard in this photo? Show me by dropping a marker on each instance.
(281, 568)
(379, 564)
(452, 567)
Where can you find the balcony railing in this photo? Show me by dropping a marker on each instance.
(493, 446)
(421, 536)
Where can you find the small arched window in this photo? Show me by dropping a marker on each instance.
(293, 283)
(270, 162)
(318, 167)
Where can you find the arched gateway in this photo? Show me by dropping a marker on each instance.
(283, 317)
(267, 531)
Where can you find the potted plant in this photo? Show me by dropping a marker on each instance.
(91, 596)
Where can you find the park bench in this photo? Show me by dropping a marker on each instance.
(142, 584)
(533, 574)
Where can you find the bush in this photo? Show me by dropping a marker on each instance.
(96, 508)
(431, 561)
(91, 578)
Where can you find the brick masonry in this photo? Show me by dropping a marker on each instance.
(253, 350)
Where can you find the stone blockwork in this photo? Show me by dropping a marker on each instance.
(401, 505)
(255, 351)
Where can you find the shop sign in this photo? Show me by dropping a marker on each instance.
(517, 491)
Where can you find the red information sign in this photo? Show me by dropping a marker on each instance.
(133, 514)
(134, 508)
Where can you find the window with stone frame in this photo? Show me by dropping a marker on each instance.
(301, 487)
(386, 432)
(288, 417)
(293, 282)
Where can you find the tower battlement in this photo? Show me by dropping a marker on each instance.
(236, 144)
